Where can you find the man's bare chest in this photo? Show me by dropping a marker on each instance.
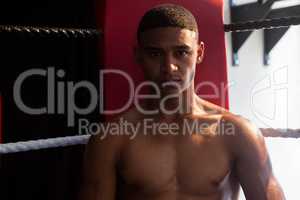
(191, 164)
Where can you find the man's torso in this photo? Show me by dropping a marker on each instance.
(194, 165)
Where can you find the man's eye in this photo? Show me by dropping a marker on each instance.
(182, 53)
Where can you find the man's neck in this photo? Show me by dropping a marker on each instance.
(173, 106)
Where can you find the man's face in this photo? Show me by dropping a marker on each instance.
(169, 55)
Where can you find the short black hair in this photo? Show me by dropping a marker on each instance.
(167, 15)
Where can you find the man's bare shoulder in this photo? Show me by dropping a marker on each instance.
(241, 130)
(110, 145)
(110, 138)
(132, 115)
(244, 134)
(243, 126)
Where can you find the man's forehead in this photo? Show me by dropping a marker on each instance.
(169, 35)
(150, 47)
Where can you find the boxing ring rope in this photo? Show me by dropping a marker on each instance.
(84, 33)
(48, 31)
(83, 139)
(43, 144)
(73, 32)
(262, 24)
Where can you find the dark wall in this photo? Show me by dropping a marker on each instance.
(53, 173)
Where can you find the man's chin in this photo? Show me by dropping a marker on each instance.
(171, 90)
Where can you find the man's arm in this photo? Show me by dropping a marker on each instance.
(99, 174)
(252, 163)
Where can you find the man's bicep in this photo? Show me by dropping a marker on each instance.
(99, 174)
(254, 167)
(253, 174)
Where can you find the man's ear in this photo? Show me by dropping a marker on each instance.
(200, 52)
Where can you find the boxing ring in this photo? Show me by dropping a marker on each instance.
(86, 33)
(275, 138)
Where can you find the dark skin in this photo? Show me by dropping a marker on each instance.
(194, 166)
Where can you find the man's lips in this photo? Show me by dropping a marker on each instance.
(171, 79)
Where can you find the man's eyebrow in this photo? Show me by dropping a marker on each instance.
(153, 48)
(185, 47)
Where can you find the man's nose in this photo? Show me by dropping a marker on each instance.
(169, 64)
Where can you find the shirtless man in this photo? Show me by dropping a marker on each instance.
(209, 163)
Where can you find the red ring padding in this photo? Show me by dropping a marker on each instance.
(119, 22)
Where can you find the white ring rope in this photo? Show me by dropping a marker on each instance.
(83, 139)
(43, 144)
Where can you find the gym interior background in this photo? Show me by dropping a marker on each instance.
(265, 93)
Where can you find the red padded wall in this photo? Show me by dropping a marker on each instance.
(120, 24)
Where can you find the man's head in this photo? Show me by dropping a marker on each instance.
(167, 15)
(168, 46)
